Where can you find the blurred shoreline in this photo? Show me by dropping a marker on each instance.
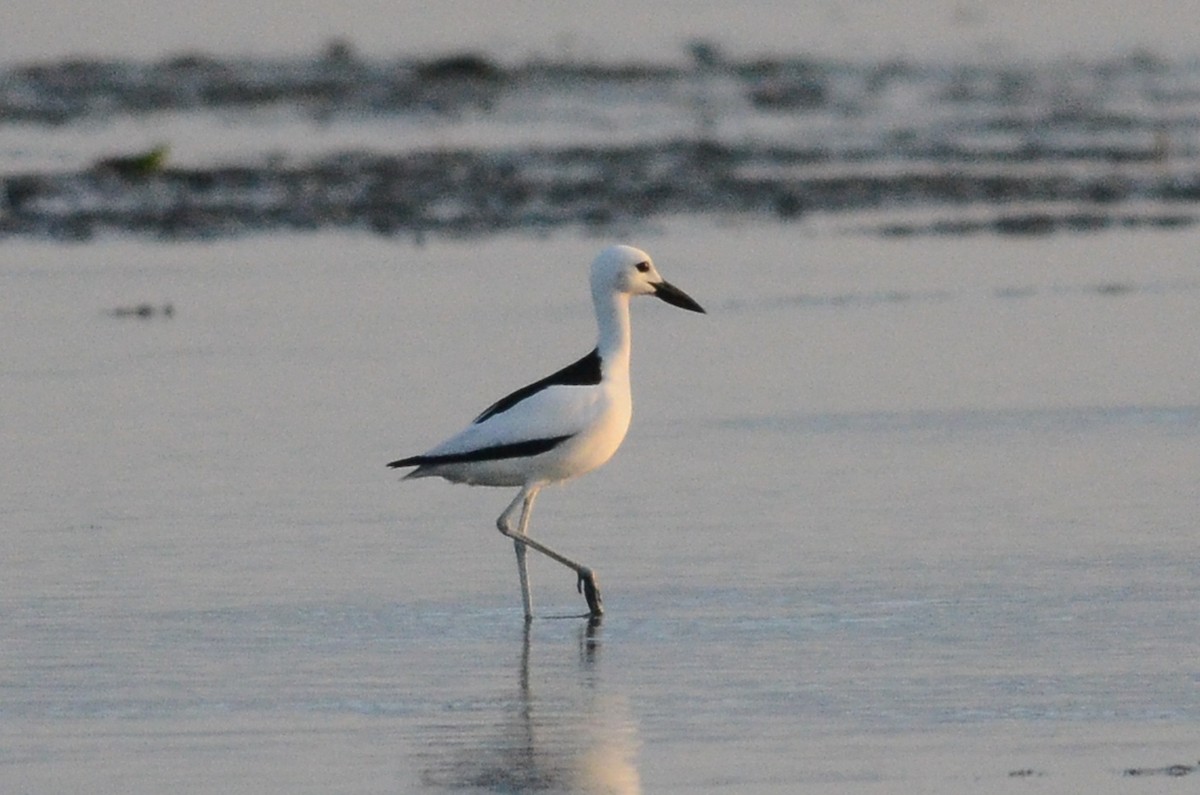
(463, 144)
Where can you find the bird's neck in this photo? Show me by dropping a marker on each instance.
(612, 317)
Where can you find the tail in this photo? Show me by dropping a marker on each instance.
(418, 461)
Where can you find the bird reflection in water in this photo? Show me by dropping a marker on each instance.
(559, 731)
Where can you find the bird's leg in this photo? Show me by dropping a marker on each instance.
(587, 584)
(525, 500)
(522, 524)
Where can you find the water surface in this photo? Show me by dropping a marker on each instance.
(898, 515)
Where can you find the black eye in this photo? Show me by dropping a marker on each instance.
(643, 267)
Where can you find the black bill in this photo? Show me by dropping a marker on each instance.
(676, 297)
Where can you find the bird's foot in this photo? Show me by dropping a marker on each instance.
(590, 589)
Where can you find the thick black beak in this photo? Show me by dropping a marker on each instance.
(676, 297)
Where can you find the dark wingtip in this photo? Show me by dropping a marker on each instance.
(405, 462)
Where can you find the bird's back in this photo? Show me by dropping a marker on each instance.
(556, 432)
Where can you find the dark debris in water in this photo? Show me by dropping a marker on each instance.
(336, 82)
(144, 311)
(471, 192)
(1025, 772)
(1172, 771)
(1048, 222)
(137, 165)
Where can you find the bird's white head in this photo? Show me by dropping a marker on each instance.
(630, 271)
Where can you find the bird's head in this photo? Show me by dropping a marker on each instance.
(629, 270)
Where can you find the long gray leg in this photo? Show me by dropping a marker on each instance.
(524, 499)
(587, 583)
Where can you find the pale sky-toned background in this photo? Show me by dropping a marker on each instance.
(603, 29)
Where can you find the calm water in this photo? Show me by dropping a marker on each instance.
(904, 512)
(899, 514)
(603, 29)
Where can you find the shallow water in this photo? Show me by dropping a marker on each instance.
(603, 29)
(898, 515)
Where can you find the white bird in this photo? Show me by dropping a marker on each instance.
(564, 425)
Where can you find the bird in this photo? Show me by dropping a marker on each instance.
(561, 426)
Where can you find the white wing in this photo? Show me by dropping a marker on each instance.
(558, 410)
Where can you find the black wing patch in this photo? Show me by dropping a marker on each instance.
(584, 372)
(497, 452)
